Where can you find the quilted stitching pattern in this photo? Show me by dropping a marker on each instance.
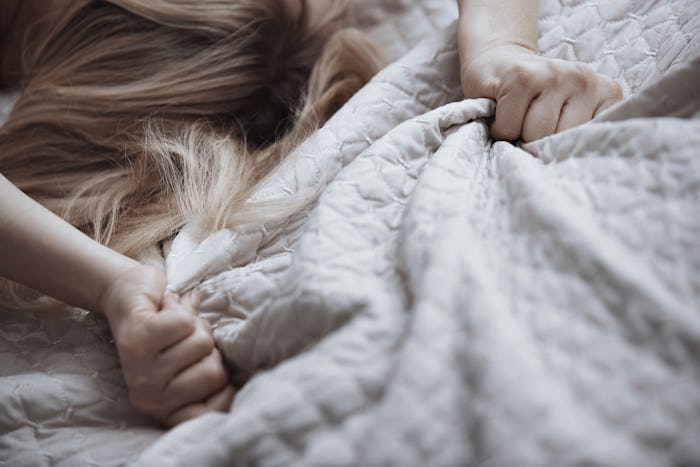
(634, 42)
(504, 337)
(378, 363)
(61, 373)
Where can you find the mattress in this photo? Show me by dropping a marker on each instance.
(445, 300)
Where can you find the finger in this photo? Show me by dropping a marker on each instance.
(170, 300)
(198, 382)
(222, 400)
(219, 402)
(187, 352)
(543, 116)
(194, 299)
(168, 327)
(610, 93)
(510, 113)
(185, 413)
(149, 379)
(576, 112)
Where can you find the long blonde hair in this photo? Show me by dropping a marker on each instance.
(136, 117)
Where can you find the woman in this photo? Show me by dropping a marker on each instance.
(137, 117)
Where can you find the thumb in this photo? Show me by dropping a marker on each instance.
(170, 300)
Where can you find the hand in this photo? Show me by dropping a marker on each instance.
(170, 364)
(535, 96)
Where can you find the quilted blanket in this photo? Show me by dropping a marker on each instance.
(445, 300)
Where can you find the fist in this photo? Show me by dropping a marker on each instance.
(172, 369)
(536, 96)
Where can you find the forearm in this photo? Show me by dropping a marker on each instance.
(171, 365)
(40, 250)
(485, 24)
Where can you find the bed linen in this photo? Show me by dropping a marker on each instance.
(446, 300)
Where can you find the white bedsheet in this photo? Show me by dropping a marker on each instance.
(447, 301)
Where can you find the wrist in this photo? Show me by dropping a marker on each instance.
(108, 292)
(489, 25)
(487, 50)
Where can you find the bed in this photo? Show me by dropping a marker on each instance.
(446, 300)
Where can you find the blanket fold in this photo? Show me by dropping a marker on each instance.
(451, 301)
(441, 299)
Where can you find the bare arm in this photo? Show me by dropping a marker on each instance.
(491, 23)
(41, 250)
(535, 96)
(170, 364)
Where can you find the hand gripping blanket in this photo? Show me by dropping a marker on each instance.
(446, 300)
(449, 301)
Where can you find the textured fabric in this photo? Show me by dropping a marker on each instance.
(447, 300)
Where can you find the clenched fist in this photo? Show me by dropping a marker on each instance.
(535, 96)
(172, 368)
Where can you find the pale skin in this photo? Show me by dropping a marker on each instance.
(171, 367)
(535, 96)
(170, 364)
(163, 346)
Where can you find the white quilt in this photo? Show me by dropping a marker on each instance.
(447, 300)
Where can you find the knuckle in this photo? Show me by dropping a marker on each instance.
(525, 75)
(584, 69)
(556, 73)
(132, 347)
(583, 75)
(615, 89)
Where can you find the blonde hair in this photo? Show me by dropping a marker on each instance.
(138, 117)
